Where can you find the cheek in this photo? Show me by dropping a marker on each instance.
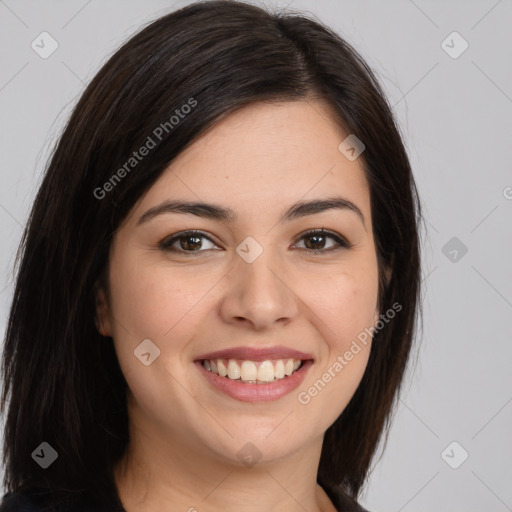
(148, 302)
(155, 302)
(346, 310)
(346, 303)
(151, 302)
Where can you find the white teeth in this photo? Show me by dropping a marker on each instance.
(221, 368)
(279, 369)
(266, 371)
(251, 371)
(233, 370)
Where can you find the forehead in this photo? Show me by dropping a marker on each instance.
(264, 157)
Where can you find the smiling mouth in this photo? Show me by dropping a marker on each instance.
(253, 372)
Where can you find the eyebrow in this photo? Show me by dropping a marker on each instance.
(216, 212)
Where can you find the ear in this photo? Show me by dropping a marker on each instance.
(387, 278)
(102, 318)
(376, 317)
(388, 270)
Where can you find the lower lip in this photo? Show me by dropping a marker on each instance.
(256, 392)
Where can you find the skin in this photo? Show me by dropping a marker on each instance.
(184, 434)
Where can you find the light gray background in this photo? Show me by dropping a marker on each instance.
(455, 117)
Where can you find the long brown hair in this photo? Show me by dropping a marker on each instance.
(62, 379)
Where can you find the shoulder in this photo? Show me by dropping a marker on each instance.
(40, 502)
(17, 502)
(343, 502)
(352, 506)
(349, 506)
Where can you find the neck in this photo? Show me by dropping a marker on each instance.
(164, 476)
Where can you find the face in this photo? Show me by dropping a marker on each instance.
(256, 290)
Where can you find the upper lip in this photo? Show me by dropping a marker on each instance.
(256, 354)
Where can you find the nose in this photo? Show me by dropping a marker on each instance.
(259, 294)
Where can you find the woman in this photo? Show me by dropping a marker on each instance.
(218, 284)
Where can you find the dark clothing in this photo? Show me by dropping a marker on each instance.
(91, 501)
(108, 501)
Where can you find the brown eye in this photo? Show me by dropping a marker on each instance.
(188, 241)
(316, 241)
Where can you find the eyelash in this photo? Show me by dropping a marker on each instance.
(342, 242)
